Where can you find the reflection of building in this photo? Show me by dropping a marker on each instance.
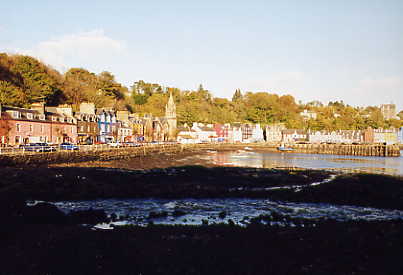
(388, 111)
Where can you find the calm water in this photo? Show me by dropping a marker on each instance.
(249, 158)
(240, 211)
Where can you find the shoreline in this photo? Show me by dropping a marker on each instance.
(106, 154)
(46, 240)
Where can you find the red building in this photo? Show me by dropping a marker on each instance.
(21, 126)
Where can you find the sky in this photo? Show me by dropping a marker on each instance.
(314, 50)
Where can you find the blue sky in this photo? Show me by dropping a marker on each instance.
(314, 50)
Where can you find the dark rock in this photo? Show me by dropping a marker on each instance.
(87, 216)
(154, 214)
(44, 213)
(222, 215)
(178, 213)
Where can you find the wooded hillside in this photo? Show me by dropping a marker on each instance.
(24, 80)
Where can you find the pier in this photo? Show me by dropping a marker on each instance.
(373, 150)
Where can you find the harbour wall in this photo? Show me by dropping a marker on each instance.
(374, 150)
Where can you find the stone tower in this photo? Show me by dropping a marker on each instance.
(170, 115)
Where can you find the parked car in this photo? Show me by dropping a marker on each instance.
(68, 146)
(130, 144)
(38, 147)
(115, 144)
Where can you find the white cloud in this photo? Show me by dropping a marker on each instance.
(85, 49)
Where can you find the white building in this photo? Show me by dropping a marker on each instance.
(235, 133)
(257, 134)
(308, 114)
(187, 135)
(273, 132)
(205, 133)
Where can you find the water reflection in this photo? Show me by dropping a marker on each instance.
(384, 165)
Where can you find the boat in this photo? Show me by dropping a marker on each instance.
(284, 148)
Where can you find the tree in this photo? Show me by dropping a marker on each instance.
(39, 82)
(11, 95)
(237, 96)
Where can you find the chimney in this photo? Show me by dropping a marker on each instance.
(87, 108)
(38, 106)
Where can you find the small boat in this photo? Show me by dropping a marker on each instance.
(284, 149)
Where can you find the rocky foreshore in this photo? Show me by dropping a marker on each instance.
(40, 239)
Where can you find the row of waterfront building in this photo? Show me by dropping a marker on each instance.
(277, 133)
(89, 125)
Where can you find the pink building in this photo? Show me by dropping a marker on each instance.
(222, 131)
(36, 125)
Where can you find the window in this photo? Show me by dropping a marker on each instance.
(17, 139)
(31, 128)
(18, 127)
(42, 117)
(15, 114)
(42, 129)
(88, 128)
(29, 116)
(54, 118)
(72, 130)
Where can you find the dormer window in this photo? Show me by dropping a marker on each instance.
(29, 116)
(54, 118)
(61, 119)
(15, 114)
(42, 117)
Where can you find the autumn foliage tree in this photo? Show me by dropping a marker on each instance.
(24, 80)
